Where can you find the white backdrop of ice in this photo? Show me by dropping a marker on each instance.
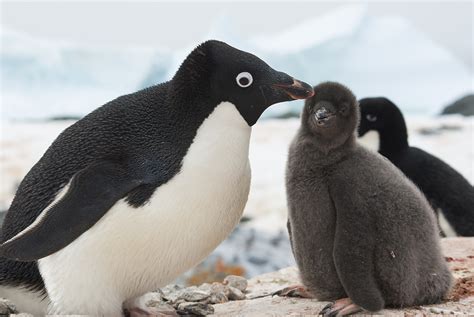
(373, 55)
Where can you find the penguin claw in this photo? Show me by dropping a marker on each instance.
(326, 308)
(341, 307)
(293, 291)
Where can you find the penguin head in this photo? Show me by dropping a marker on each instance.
(377, 114)
(222, 73)
(332, 114)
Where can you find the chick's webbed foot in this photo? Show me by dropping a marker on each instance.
(294, 291)
(341, 307)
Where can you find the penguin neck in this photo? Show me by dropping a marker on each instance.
(393, 137)
(325, 154)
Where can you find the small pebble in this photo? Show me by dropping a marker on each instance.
(152, 298)
(171, 292)
(206, 287)
(162, 309)
(238, 282)
(219, 288)
(200, 309)
(218, 298)
(193, 294)
(235, 294)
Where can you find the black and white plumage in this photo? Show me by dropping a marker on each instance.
(141, 189)
(358, 227)
(442, 185)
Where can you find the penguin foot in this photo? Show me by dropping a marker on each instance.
(294, 291)
(341, 307)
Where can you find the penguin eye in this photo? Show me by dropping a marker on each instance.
(371, 118)
(244, 79)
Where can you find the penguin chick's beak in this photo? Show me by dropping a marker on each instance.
(322, 115)
(296, 90)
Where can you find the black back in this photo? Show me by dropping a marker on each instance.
(442, 185)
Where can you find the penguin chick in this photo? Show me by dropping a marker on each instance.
(358, 227)
(141, 189)
(443, 186)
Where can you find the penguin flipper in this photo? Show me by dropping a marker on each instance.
(354, 265)
(91, 193)
(354, 245)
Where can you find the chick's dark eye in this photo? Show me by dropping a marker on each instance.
(371, 118)
(244, 79)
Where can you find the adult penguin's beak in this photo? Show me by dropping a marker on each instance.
(281, 87)
(276, 87)
(296, 90)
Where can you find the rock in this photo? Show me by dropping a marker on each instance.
(238, 282)
(199, 309)
(171, 292)
(463, 106)
(193, 294)
(152, 297)
(219, 288)
(152, 303)
(7, 307)
(235, 294)
(206, 287)
(161, 308)
(218, 298)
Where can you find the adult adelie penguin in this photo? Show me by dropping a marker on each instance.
(359, 229)
(443, 186)
(141, 189)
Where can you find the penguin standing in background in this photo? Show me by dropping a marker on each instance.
(361, 232)
(443, 186)
(141, 189)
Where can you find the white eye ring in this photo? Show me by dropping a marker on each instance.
(371, 118)
(244, 79)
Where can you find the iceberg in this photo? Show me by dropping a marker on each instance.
(41, 78)
(373, 55)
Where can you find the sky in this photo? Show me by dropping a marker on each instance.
(174, 24)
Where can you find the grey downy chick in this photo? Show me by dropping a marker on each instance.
(362, 233)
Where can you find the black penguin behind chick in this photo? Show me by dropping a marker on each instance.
(141, 189)
(443, 186)
(358, 227)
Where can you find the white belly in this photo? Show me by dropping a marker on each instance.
(132, 251)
